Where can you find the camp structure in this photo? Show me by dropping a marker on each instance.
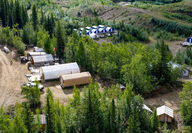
(42, 60)
(93, 36)
(165, 114)
(109, 30)
(6, 50)
(75, 79)
(37, 49)
(30, 54)
(147, 108)
(55, 71)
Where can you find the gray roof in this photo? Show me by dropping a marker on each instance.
(43, 58)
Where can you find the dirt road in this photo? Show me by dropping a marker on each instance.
(11, 78)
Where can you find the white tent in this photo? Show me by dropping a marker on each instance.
(54, 72)
(93, 36)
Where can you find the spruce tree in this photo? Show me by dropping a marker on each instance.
(47, 45)
(113, 117)
(50, 113)
(34, 17)
(28, 118)
(155, 121)
(60, 43)
(18, 13)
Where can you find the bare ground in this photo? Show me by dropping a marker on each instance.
(168, 97)
(11, 78)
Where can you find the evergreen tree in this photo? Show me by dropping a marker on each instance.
(34, 17)
(155, 121)
(60, 43)
(113, 117)
(81, 55)
(28, 118)
(162, 71)
(24, 16)
(50, 113)
(18, 13)
(47, 45)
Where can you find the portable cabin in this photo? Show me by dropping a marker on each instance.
(109, 30)
(88, 28)
(95, 31)
(165, 114)
(93, 36)
(42, 60)
(94, 27)
(37, 49)
(30, 54)
(54, 72)
(101, 26)
(75, 79)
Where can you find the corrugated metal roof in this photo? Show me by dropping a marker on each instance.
(54, 72)
(43, 58)
(37, 49)
(36, 53)
(165, 110)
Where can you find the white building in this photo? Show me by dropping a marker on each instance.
(54, 72)
(165, 114)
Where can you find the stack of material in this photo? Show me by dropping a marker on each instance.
(75, 79)
(54, 72)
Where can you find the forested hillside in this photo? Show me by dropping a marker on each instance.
(137, 55)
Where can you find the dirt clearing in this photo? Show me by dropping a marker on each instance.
(11, 78)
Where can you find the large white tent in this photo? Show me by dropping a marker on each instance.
(54, 72)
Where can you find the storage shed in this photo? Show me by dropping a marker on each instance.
(42, 60)
(30, 54)
(165, 114)
(75, 79)
(54, 72)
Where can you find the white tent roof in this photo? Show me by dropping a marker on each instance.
(147, 108)
(165, 110)
(54, 72)
(37, 49)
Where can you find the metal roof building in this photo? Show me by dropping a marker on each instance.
(54, 72)
(30, 54)
(165, 113)
(37, 49)
(42, 59)
(75, 79)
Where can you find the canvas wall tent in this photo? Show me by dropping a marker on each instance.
(54, 72)
(94, 27)
(37, 49)
(75, 79)
(30, 54)
(93, 36)
(165, 114)
(42, 60)
(95, 31)
(109, 30)
(88, 28)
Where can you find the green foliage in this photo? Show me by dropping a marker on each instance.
(172, 27)
(60, 41)
(32, 94)
(155, 121)
(50, 113)
(34, 17)
(184, 57)
(186, 104)
(8, 37)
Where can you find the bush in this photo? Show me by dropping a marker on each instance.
(7, 37)
(173, 27)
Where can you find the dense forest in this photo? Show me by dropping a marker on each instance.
(126, 60)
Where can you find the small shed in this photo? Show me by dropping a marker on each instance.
(75, 79)
(30, 54)
(55, 71)
(37, 49)
(165, 114)
(42, 60)
(6, 50)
